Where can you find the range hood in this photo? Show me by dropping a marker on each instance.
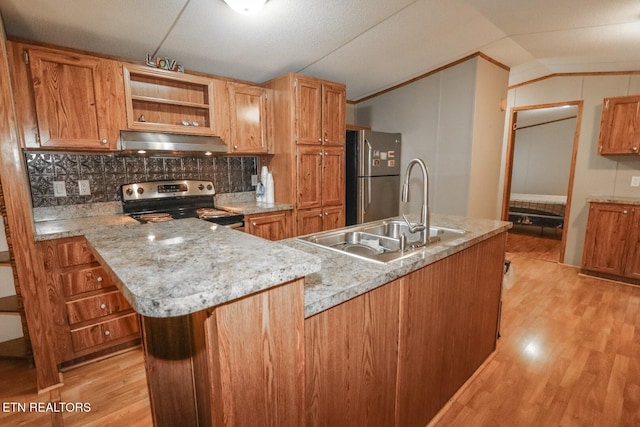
(170, 143)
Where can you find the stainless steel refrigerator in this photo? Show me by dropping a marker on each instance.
(373, 175)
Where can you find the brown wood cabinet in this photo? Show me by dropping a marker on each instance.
(247, 356)
(351, 361)
(271, 226)
(319, 219)
(167, 101)
(309, 157)
(396, 355)
(320, 111)
(620, 126)
(250, 119)
(67, 100)
(612, 240)
(448, 327)
(90, 314)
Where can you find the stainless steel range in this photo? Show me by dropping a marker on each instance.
(158, 201)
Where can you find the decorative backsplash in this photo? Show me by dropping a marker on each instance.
(107, 172)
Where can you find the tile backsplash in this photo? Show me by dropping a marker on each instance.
(107, 172)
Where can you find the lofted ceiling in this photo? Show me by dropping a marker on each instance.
(370, 45)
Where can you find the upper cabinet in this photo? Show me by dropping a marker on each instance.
(250, 119)
(320, 111)
(166, 101)
(620, 126)
(67, 100)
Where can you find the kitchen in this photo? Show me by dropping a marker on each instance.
(610, 176)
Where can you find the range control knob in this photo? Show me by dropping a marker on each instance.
(129, 191)
(140, 190)
(201, 187)
(209, 186)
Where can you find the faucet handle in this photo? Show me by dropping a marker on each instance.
(414, 228)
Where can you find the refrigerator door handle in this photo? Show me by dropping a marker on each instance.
(368, 202)
(370, 157)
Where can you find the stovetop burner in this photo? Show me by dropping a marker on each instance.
(158, 201)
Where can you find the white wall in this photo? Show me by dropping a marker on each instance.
(542, 157)
(488, 118)
(594, 174)
(452, 120)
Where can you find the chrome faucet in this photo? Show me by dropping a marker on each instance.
(423, 226)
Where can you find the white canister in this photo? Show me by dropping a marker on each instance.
(270, 189)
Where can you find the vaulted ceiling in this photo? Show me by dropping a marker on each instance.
(370, 45)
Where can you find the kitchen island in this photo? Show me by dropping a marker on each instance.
(238, 330)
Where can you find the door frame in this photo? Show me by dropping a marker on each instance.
(508, 169)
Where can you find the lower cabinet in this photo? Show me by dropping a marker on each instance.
(351, 361)
(612, 240)
(270, 226)
(397, 354)
(316, 220)
(91, 316)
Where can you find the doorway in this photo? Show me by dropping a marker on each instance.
(539, 171)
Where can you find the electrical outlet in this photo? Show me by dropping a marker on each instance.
(59, 190)
(635, 181)
(83, 187)
(254, 180)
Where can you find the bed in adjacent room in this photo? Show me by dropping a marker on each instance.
(543, 210)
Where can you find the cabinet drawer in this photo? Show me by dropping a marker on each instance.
(96, 306)
(74, 252)
(83, 280)
(104, 332)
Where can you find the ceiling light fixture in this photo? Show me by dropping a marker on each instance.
(246, 7)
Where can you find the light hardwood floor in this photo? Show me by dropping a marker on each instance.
(569, 356)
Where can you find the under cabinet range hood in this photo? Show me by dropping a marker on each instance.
(170, 143)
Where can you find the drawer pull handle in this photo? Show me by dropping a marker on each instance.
(624, 212)
(103, 306)
(107, 332)
(99, 279)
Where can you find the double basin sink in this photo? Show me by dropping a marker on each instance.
(380, 241)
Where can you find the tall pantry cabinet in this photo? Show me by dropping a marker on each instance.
(309, 150)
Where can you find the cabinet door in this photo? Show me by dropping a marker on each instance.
(333, 217)
(351, 361)
(308, 111)
(309, 221)
(620, 126)
(274, 226)
(333, 114)
(71, 106)
(249, 118)
(632, 264)
(309, 177)
(333, 176)
(607, 229)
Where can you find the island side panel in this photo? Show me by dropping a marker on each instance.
(448, 327)
(240, 363)
(256, 359)
(351, 361)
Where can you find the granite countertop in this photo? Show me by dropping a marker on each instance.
(73, 220)
(343, 277)
(614, 199)
(179, 267)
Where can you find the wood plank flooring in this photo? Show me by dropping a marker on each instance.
(533, 243)
(569, 356)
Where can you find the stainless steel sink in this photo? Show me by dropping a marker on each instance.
(379, 241)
